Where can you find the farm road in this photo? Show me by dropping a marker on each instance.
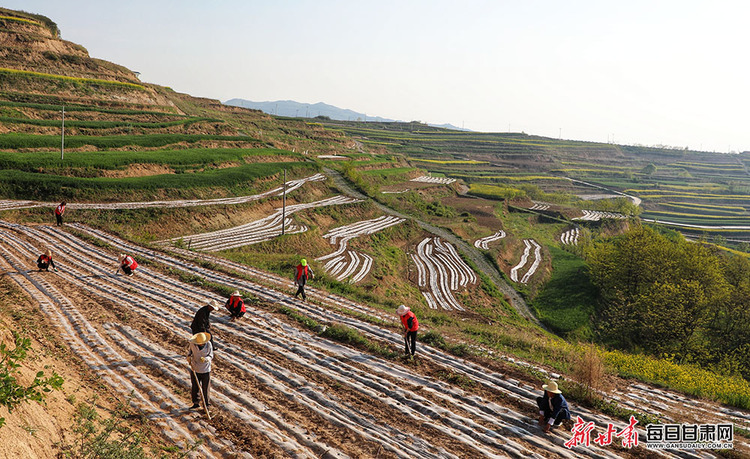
(471, 252)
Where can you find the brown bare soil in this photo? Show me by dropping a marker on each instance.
(40, 430)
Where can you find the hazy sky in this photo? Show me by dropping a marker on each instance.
(650, 72)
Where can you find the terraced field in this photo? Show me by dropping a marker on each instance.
(345, 263)
(521, 266)
(277, 388)
(441, 272)
(257, 231)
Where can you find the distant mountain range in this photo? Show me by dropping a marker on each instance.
(297, 109)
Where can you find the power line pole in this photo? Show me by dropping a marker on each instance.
(62, 136)
(283, 206)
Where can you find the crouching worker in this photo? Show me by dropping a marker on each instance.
(45, 262)
(411, 325)
(553, 409)
(127, 264)
(236, 306)
(200, 355)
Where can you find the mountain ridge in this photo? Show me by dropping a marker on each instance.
(294, 109)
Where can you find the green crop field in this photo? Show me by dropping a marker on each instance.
(52, 103)
(103, 124)
(16, 141)
(239, 180)
(6, 74)
(179, 159)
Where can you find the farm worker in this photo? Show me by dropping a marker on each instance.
(200, 355)
(301, 275)
(44, 262)
(236, 305)
(202, 320)
(59, 211)
(411, 325)
(127, 264)
(553, 409)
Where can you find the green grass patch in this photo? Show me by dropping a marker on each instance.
(566, 302)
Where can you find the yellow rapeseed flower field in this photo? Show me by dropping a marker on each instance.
(731, 390)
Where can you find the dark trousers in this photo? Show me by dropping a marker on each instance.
(204, 379)
(59, 219)
(301, 288)
(544, 406)
(410, 340)
(43, 266)
(127, 270)
(236, 312)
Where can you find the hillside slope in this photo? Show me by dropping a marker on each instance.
(195, 191)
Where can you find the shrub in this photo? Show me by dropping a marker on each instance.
(13, 394)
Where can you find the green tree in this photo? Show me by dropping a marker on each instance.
(650, 169)
(12, 393)
(658, 294)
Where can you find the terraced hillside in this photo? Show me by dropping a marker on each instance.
(210, 199)
(694, 191)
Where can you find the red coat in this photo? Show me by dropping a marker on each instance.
(414, 324)
(59, 210)
(129, 262)
(303, 271)
(235, 302)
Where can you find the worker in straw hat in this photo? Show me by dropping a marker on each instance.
(127, 264)
(202, 320)
(553, 408)
(236, 306)
(200, 355)
(45, 262)
(301, 275)
(411, 325)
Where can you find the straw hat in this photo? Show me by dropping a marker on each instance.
(121, 257)
(402, 310)
(201, 338)
(235, 293)
(552, 388)
(303, 262)
(48, 253)
(213, 304)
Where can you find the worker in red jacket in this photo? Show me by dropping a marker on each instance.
(411, 325)
(44, 262)
(301, 275)
(236, 306)
(127, 264)
(59, 211)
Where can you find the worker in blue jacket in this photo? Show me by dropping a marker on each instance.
(553, 408)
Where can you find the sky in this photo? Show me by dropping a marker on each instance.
(655, 72)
